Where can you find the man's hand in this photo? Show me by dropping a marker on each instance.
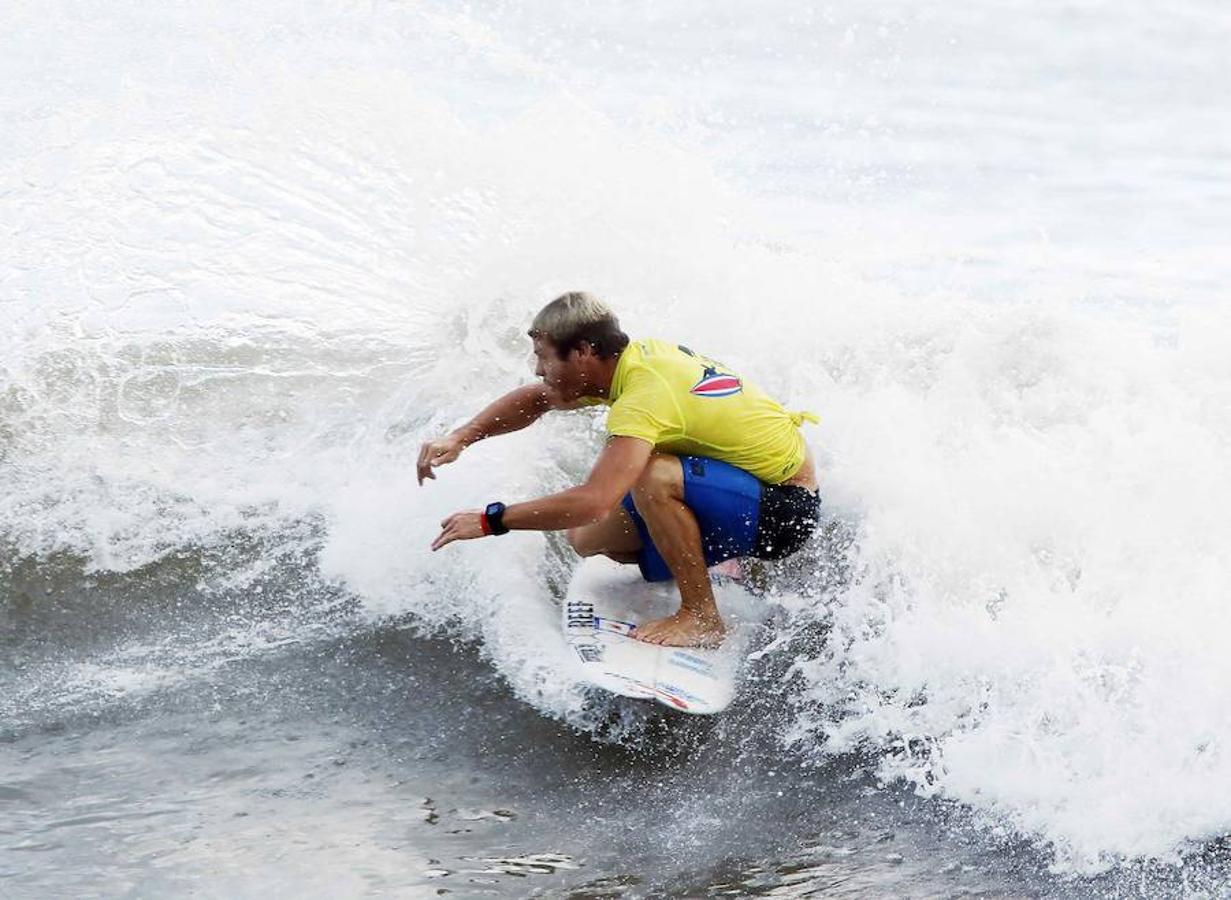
(461, 526)
(437, 453)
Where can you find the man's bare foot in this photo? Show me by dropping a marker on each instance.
(684, 629)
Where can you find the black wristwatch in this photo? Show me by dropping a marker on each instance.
(493, 519)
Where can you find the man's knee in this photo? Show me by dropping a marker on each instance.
(586, 543)
(662, 479)
(580, 541)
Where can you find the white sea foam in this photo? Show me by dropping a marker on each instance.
(240, 288)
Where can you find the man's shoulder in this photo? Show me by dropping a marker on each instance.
(644, 365)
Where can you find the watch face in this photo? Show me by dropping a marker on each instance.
(495, 518)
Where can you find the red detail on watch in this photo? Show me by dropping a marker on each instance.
(484, 524)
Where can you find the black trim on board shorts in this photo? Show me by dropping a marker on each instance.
(789, 516)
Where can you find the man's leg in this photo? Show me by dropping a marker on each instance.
(659, 498)
(615, 537)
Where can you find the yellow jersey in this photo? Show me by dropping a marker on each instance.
(690, 405)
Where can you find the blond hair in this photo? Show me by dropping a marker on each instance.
(578, 317)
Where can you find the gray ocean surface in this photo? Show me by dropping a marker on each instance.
(251, 258)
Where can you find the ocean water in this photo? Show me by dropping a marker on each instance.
(251, 258)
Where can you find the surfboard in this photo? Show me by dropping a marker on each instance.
(605, 602)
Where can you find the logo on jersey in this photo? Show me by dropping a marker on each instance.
(716, 384)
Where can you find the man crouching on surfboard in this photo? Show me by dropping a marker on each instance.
(700, 466)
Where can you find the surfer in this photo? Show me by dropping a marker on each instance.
(700, 465)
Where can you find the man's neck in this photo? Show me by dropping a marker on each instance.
(605, 374)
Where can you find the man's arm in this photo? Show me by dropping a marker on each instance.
(615, 472)
(613, 475)
(518, 408)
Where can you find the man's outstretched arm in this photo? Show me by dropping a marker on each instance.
(518, 408)
(616, 471)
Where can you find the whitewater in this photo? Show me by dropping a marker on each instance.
(251, 258)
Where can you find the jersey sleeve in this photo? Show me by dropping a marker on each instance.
(645, 410)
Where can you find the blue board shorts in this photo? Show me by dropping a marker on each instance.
(738, 515)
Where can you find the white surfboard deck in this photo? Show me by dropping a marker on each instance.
(606, 600)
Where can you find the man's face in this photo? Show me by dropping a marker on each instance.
(564, 376)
